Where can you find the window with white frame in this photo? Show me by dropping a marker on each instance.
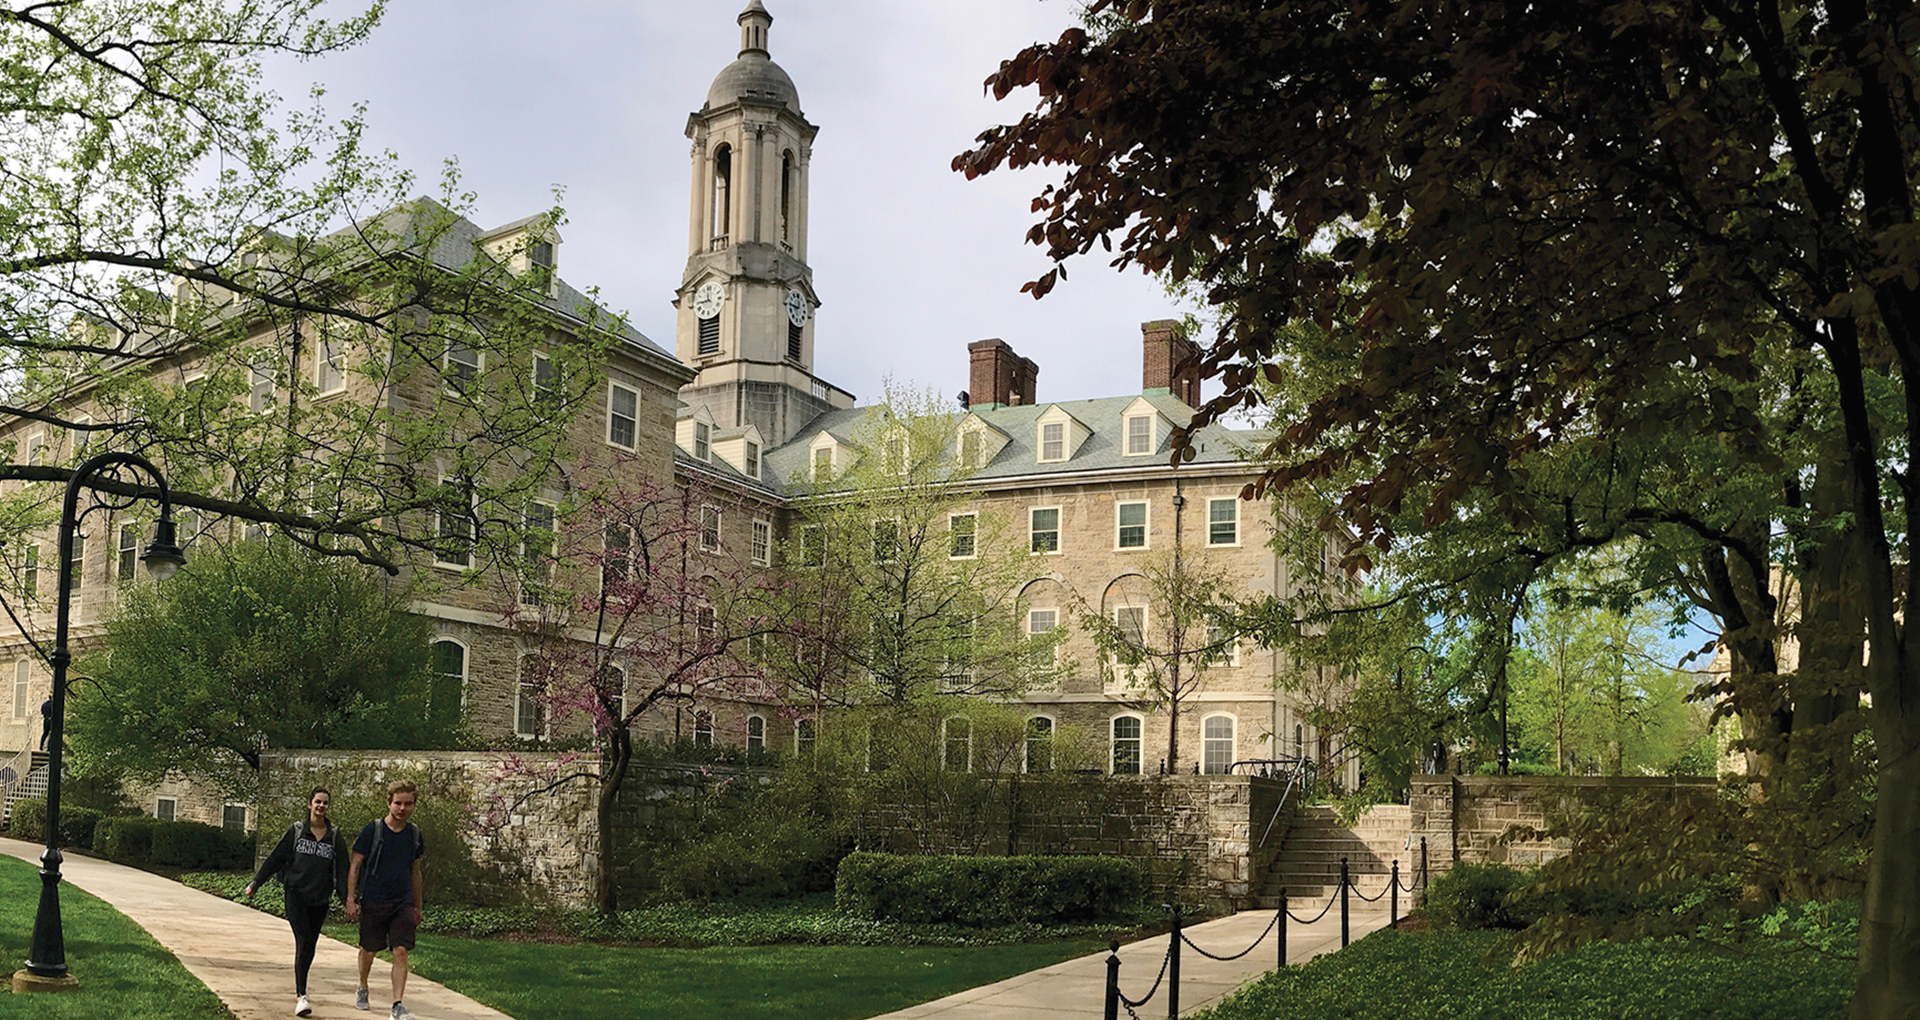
(546, 382)
(709, 528)
(970, 448)
(1139, 434)
(261, 385)
(706, 625)
(330, 366)
(823, 463)
(233, 817)
(1223, 521)
(957, 739)
(703, 728)
(1043, 529)
(756, 733)
(1216, 744)
(163, 808)
(37, 449)
(539, 547)
(447, 690)
(77, 563)
(1131, 622)
(462, 366)
(761, 548)
(455, 526)
(1130, 525)
(1039, 746)
(1126, 745)
(616, 552)
(886, 541)
(30, 570)
(1040, 623)
(128, 562)
(80, 438)
(960, 531)
(623, 416)
(702, 441)
(1053, 441)
(529, 710)
(22, 672)
(813, 545)
(1222, 648)
(751, 459)
(805, 735)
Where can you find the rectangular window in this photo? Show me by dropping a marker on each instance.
(970, 448)
(163, 808)
(616, 546)
(1139, 434)
(80, 438)
(756, 733)
(1223, 521)
(1222, 649)
(1040, 623)
(462, 366)
(233, 817)
(823, 464)
(702, 434)
(813, 546)
(752, 459)
(1216, 745)
(804, 734)
(539, 546)
(1039, 744)
(454, 526)
(762, 547)
(329, 367)
(959, 746)
(1131, 621)
(1131, 521)
(129, 561)
(623, 416)
(529, 717)
(709, 336)
(30, 570)
(1043, 528)
(709, 528)
(546, 382)
(1053, 441)
(960, 527)
(897, 455)
(260, 389)
(886, 541)
(77, 563)
(37, 449)
(706, 625)
(22, 671)
(1126, 746)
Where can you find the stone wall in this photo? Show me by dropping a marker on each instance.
(1222, 826)
(1473, 818)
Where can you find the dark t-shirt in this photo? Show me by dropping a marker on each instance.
(389, 879)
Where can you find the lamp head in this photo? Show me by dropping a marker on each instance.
(163, 556)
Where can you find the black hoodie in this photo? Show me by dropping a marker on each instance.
(313, 870)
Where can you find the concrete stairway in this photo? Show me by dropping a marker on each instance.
(1308, 867)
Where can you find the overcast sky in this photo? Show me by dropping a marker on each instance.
(911, 260)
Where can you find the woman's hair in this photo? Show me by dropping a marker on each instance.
(317, 791)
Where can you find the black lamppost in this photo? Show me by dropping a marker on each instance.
(47, 957)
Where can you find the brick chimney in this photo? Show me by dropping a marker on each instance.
(999, 376)
(1163, 350)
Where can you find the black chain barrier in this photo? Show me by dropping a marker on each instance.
(1331, 900)
(1256, 943)
(1155, 990)
(1364, 898)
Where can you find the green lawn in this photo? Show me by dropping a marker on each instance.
(1392, 975)
(123, 972)
(533, 981)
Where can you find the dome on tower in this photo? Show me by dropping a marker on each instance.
(753, 77)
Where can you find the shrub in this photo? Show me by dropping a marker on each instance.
(986, 890)
(449, 869)
(77, 825)
(197, 845)
(29, 820)
(1468, 896)
(128, 840)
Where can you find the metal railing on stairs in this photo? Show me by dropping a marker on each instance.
(1170, 961)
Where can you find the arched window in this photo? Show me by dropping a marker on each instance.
(958, 737)
(447, 687)
(786, 196)
(703, 728)
(804, 733)
(756, 733)
(1039, 744)
(1216, 744)
(722, 191)
(529, 708)
(1126, 745)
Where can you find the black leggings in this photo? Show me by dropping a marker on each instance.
(305, 919)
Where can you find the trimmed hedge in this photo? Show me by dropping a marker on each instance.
(199, 846)
(29, 822)
(127, 839)
(987, 890)
(1471, 896)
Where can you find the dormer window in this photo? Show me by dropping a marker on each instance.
(1053, 441)
(970, 448)
(823, 464)
(702, 436)
(897, 454)
(1139, 434)
(540, 255)
(752, 468)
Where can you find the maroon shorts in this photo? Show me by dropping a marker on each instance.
(388, 925)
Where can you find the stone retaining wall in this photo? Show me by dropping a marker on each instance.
(1473, 818)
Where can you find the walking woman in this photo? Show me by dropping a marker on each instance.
(311, 860)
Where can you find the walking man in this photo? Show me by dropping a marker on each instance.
(384, 890)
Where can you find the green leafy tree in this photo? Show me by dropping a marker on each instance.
(265, 647)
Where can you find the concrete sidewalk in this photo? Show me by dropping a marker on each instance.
(245, 956)
(1076, 989)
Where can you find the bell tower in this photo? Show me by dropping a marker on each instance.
(745, 305)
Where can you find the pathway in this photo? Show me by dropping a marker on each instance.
(245, 956)
(1076, 989)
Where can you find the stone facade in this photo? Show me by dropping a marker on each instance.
(1472, 818)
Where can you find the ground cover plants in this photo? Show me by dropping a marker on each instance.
(123, 971)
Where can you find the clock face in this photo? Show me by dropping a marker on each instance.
(796, 307)
(707, 300)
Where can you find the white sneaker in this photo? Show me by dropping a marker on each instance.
(399, 1013)
(360, 999)
(303, 1007)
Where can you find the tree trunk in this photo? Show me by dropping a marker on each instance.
(1887, 981)
(613, 775)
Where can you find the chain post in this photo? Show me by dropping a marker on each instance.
(1423, 866)
(1282, 924)
(1393, 898)
(1173, 967)
(1112, 1011)
(1345, 883)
